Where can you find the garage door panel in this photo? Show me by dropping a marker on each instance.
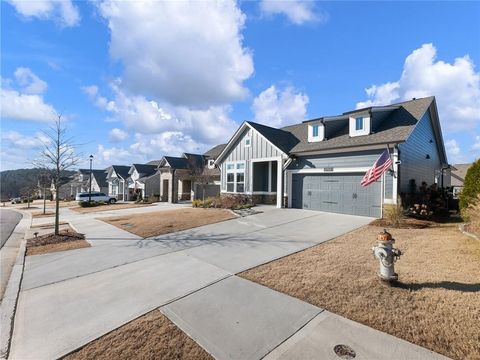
(340, 193)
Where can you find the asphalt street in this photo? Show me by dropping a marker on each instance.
(8, 220)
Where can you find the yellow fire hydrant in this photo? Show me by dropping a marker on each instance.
(387, 255)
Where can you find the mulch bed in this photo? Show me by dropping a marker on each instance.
(66, 240)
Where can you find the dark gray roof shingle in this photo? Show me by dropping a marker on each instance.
(121, 170)
(145, 169)
(215, 151)
(284, 140)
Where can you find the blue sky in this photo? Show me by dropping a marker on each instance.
(136, 81)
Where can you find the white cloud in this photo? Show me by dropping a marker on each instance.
(454, 153)
(22, 141)
(276, 108)
(117, 135)
(18, 106)
(207, 127)
(297, 11)
(26, 103)
(31, 83)
(456, 86)
(62, 11)
(183, 52)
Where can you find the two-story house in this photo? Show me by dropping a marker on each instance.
(117, 176)
(319, 163)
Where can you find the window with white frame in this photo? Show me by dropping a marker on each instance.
(248, 141)
(211, 164)
(236, 177)
(316, 132)
(359, 123)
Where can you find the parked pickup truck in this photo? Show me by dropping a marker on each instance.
(96, 196)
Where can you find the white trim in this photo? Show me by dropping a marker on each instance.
(270, 176)
(263, 193)
(395, 176)
(279, 183)
(235, 138)
(235, 171)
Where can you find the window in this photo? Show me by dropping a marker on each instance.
(211, 164)
(248, 142)
(240, 182)
(315, 130)
(359, 123)
(230, 182)
(236, 177)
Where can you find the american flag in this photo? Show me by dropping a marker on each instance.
(382, 164)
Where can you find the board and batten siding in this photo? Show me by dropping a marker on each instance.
(413, 156)
(259, 148)
(344, 160)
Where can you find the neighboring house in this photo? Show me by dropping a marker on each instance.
(457, 177)
(117, 176)
(319, 163)
(64, 189)
(190, 176)
(81, 181)
(143, 179)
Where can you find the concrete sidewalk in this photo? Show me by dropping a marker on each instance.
(70, 298)
(238, 319)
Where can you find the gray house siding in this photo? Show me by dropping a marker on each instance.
(152, 185)
(344, 160)
(413, 155)
(259, 148)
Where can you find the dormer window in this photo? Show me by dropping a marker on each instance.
(211, 163)
(316, 132)
(359, 123)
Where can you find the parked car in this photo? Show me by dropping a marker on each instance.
(17, 200)
(96, 196)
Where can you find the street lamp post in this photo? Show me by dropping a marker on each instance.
(90, 190)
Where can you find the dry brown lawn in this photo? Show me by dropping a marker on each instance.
(435, 305)
(164, 222)
(151, 336)
(107, 207)
(48, 243)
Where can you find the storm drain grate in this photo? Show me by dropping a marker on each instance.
(344, 352)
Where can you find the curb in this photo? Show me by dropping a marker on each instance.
(461, 227)
(12, 291)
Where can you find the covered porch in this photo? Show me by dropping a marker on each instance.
(266, 181)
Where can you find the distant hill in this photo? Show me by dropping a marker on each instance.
(12, 182)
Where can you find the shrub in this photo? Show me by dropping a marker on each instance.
(394, 214)
(85, 204)
(233, 202)
(471, 187)
(473, 215)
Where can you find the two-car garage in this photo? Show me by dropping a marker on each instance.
(340, 193)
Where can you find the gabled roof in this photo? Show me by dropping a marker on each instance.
(121, 170)
(458, 174)
(215, 151)
(176, 162)
(186, 161)
(282, 139)
(144, 169)
(154, 162)
(100, 177)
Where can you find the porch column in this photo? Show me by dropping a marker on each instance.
(279, 183)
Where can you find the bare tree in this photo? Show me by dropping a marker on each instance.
(199, 173)
(58, 154)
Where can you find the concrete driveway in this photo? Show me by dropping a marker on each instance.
(70, 298)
